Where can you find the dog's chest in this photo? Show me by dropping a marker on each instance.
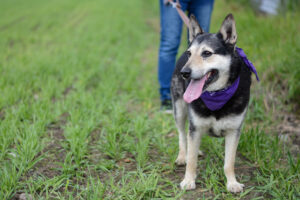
(217, 128)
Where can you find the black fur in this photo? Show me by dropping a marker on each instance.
(238, 102)
(192, 128)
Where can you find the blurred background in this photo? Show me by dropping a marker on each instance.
(79, 103)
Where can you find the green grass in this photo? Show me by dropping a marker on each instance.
(79, 108)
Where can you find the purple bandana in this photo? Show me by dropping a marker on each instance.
(216, 100)
(247, 62)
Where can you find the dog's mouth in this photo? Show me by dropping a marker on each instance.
(196, 86)
(212, 76)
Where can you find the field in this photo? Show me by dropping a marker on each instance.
(79, 105)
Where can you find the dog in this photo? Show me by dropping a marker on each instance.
(210, 64)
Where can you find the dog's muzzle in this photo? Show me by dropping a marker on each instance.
(186, 72)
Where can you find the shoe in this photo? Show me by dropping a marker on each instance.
(166, 106)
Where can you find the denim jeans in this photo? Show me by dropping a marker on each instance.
(170, 36)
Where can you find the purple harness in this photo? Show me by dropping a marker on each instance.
(216, 100)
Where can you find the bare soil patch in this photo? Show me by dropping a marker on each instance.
(53, 153)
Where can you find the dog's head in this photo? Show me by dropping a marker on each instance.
(210, 55)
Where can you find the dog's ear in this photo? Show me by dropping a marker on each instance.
(228, 30)
(194, 28)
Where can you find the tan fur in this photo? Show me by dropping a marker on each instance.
(180, 123)
(188, 182)
(231, 143)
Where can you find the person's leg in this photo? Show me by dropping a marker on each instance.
(202, 9)
(170, 35)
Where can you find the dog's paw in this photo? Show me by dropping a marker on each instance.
(235, 187)
(180, 160)
(188, 184)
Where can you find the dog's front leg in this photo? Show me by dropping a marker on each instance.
(180, 114)
(231, 143)
(194, 137)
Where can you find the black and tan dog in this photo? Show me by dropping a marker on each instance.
(210, 64)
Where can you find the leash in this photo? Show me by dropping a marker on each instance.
(177, 5)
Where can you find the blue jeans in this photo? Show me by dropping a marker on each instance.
(170, 35)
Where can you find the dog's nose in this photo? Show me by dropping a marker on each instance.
(186, 72)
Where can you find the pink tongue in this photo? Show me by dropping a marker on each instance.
(194, 90)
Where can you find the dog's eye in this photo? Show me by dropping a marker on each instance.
(206, 54)
(188, 53)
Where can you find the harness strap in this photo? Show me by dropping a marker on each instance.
(177, 5)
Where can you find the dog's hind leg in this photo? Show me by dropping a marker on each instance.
(231, 143)
(180, 115)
